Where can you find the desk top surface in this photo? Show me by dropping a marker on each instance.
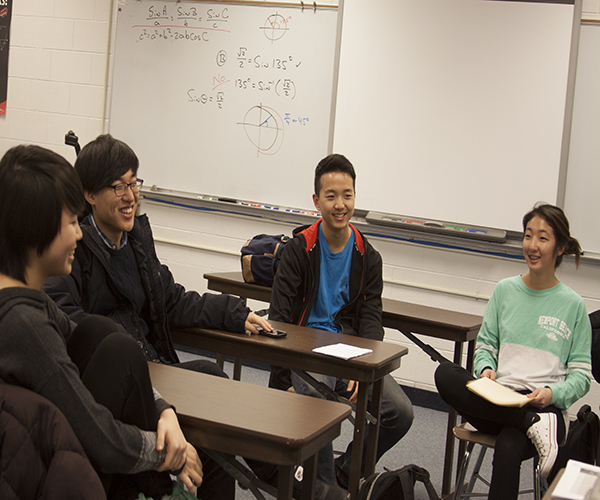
(426, 320)
(296, 350)
(246, 419)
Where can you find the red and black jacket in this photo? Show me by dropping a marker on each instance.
(297, 281)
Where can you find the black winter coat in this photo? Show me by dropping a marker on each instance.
(91, 289)
(40, 456)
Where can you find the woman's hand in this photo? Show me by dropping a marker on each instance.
(168, 433)
(488, 373)
(541, 397)
(192, 474)
(254, 319)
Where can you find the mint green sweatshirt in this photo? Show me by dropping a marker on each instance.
(537, 338)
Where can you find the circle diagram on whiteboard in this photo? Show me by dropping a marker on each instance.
(264, 128)
(275, 27)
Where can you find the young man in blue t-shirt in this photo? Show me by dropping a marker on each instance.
(330, 277)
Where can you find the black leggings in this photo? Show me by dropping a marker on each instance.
(509, 424)
(115, 371)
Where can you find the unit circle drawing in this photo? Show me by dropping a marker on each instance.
(263, 127)
(275, 27)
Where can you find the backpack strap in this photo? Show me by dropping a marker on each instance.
(370, 492)
(409, 474)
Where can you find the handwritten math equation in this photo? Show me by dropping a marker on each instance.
(238, 68)
(290, 120)
(214, 18)
(181, 23)
(194, 97)
(259, 62)
(284, 87)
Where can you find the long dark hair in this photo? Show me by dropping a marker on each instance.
(559, 223)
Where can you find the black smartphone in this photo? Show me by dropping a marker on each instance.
(276, 334)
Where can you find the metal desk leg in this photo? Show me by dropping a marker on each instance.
(462, 445)
(286, 482)
(309, 479)
(358, 442)
(237, 365)
(471, 356)
(374, 429)
(449, 454)
(237, 368)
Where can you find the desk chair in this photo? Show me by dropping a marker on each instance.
(465, 432)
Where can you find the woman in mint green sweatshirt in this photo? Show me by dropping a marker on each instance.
(535, 339)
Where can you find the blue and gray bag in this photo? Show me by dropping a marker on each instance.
(261, 256)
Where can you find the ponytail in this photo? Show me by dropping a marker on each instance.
(573, 248)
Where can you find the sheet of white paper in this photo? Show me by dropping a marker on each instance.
(577, 480)
(343, 351)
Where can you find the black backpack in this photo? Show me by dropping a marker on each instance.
(261, 256)
(582, 441)
(396, 484)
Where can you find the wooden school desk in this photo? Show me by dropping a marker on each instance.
(403, 316)
(296, 351)
(252, 421)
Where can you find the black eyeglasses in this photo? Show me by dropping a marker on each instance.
(121, 188)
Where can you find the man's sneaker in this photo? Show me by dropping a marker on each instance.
(543, 436)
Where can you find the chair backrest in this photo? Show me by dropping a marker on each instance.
(595, 320)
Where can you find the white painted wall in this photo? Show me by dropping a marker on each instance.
(59, 64)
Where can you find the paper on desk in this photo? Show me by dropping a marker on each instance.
(343, 351)
(496, 393)
(577, 480)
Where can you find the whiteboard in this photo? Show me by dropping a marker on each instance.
(582, 199)
(229, 100)
(454, 109)
(450, 110)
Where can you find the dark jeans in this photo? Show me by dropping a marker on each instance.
(396, 419)
(115, 371)
(509, 424)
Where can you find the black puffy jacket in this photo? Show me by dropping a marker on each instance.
(40, 456)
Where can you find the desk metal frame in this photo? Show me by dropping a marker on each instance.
(228, 416)
(402, 316)
(296, 351)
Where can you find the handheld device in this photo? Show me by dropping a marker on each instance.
(276, 334)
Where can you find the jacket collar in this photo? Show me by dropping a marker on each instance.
(311, 235)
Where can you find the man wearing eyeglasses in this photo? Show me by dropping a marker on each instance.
(116, 273)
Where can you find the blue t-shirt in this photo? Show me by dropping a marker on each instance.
(334, 285)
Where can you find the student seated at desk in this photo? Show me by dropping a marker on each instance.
(535, 339)
(94, 374)
(330, 277)
(117, 274)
